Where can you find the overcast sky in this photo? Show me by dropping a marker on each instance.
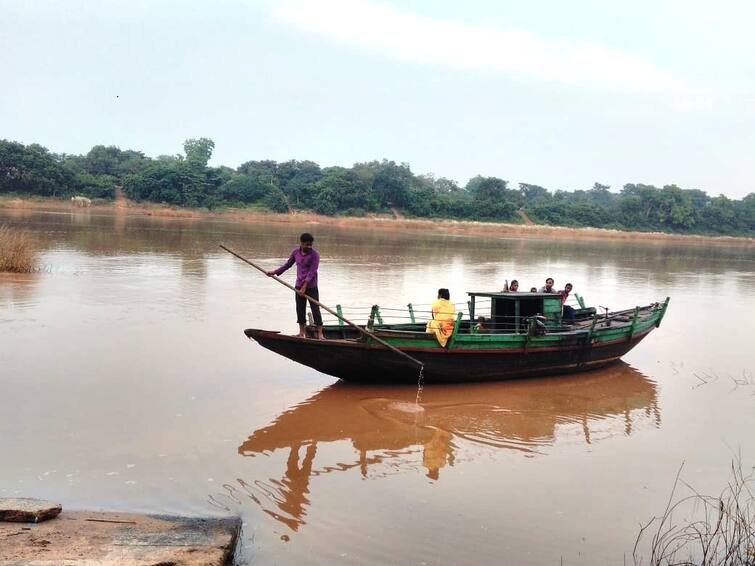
(560, 94)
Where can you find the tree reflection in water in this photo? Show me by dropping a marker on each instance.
(388, 430)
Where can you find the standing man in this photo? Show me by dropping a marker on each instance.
(307, 260)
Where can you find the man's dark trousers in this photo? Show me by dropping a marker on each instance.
(301, 306)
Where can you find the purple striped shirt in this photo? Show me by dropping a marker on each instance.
(306, 267)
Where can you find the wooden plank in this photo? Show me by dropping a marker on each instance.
(455, 331)
(663, 311)
(634, 322)
(339, 310)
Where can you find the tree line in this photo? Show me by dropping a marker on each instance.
(371, 187)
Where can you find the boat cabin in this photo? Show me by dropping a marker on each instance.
(508, 312)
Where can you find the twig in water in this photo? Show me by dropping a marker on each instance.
(713, 530)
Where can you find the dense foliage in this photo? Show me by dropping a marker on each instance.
(375, 186)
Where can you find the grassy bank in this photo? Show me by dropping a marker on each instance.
(17, 252)
(255, 215)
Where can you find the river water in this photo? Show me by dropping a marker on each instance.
(126, 383)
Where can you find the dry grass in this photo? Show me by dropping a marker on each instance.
(17, 253)
(171, 213)
(703, 529)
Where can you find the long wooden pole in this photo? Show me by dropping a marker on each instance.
(331, 311)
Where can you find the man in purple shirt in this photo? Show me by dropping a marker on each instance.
(307, 260)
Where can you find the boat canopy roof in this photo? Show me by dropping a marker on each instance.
(508, 309)
(511, 296)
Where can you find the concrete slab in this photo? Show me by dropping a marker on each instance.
(26, 510)
(87, 538)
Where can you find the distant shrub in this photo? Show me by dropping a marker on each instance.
(16, 251)
(275, 200)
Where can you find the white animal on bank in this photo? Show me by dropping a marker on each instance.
(81, 201)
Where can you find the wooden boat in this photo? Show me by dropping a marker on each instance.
(525, 336)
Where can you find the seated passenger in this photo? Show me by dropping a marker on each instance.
(548, 288)
(482, 325)
(514, 287)
(533, 290)
(444, 315)
(568, 310)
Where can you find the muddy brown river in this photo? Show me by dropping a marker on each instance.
(126, 383)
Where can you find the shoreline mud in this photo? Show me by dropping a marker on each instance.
(76, 537)
(250, 216)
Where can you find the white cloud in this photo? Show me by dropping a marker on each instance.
(413, 38)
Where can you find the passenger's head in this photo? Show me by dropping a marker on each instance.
(444, 294)
(514, 285)
(481, 320)
(549, 283)
(568, 288)
(533, 290)
(306, 240)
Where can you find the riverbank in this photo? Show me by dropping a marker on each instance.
(390, 222)
(36, 532)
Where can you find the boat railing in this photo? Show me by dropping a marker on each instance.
(386, 315)
(414, 317)
(420, 312)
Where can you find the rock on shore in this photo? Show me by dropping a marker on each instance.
(25, 510)
(82, 537)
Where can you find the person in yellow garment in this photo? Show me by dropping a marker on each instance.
(444, 315)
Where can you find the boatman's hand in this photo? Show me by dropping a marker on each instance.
(303, 290)
(269, 273)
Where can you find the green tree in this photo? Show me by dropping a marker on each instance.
(297, 179)
(95, 186)
(244, 189)
(492, 198)
(266, 171)
(746, 214)
(675, 208)
(388, 182)
(440, 185)
(112, 161)
(275, 200)
(532, 193)
(338, 190)
(601, 195)
(719, 215)
(487, 188)
(34, 170)
(198, 151)
(201, 185)
(375, 185)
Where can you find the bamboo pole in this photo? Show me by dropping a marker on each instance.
(331, 311)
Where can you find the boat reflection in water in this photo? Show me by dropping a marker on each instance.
(390, 432)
